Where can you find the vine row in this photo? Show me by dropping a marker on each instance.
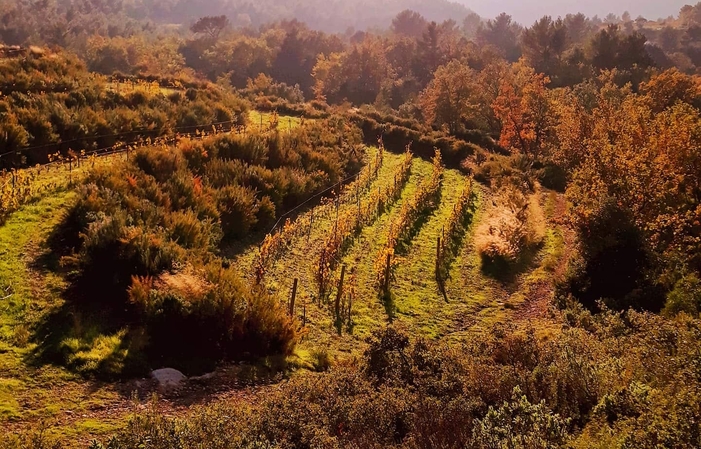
(354, 219)
(403, 227)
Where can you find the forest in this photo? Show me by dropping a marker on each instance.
(347, 224)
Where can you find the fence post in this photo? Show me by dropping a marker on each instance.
(340, 292)
(294, 295)
(311, 224)
(438, 258)
(387, 272)
(335, 228)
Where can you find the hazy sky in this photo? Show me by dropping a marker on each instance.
(528, 11)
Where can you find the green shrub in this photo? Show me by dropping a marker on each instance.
(518, 424)
(238, 210)
(684, 297)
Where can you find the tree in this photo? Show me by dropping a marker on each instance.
(356, 75)
(611, 50)
(409, 23)
(578, 28)
(471, 24)
(667, 88)
(544, 43)
(450, 96)
(638, 190)
(210, 26)
(502, 33)
(525, 111)
(428, 55)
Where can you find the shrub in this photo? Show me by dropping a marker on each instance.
(684, 297)
(194, 318)
(514, 224)
(238, 209)
(519, 424)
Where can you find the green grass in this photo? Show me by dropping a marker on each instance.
(31, 390)
(473, 302)
(285, 122)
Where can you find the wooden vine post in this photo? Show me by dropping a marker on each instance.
(340, 293)
(294, 295)
(438, 259)
(388, 269)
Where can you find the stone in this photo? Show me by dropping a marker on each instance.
(168, 378)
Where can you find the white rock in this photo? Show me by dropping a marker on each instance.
(168, 378)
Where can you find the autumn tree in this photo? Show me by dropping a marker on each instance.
(355, 75)
(667, 88)
(409, 23)
(210, 27)
(503, 33)
(636, 193)
(298, 53)
(524, 110)
(450, 96)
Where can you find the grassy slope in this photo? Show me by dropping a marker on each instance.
(33, 392)
(285, 122)
(474, 301)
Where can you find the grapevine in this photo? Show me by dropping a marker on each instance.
(353, 220)
(452, 233)
(402, 227)
(276, 243)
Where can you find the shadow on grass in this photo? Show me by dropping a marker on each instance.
(388, 301)
(506, 271)
(453, 248)
(404, 245)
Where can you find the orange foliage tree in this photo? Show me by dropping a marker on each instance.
(524, 109)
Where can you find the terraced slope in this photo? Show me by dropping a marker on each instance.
(473, 301)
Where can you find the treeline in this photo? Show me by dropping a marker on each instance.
(628, 160)
(66, 19)
(397, 70)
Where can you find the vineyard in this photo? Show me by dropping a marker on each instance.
(320, 258)
(329, 263)
(392, 242)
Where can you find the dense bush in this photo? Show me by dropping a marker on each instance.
(53, 103)
(507, 389)
(194, 318)
(513, 226)
(396, 138)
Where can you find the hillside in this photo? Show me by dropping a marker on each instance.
(430, 234)
(527, 12)
(333, 17)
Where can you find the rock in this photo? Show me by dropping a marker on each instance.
(168, 378)
(203, 377)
